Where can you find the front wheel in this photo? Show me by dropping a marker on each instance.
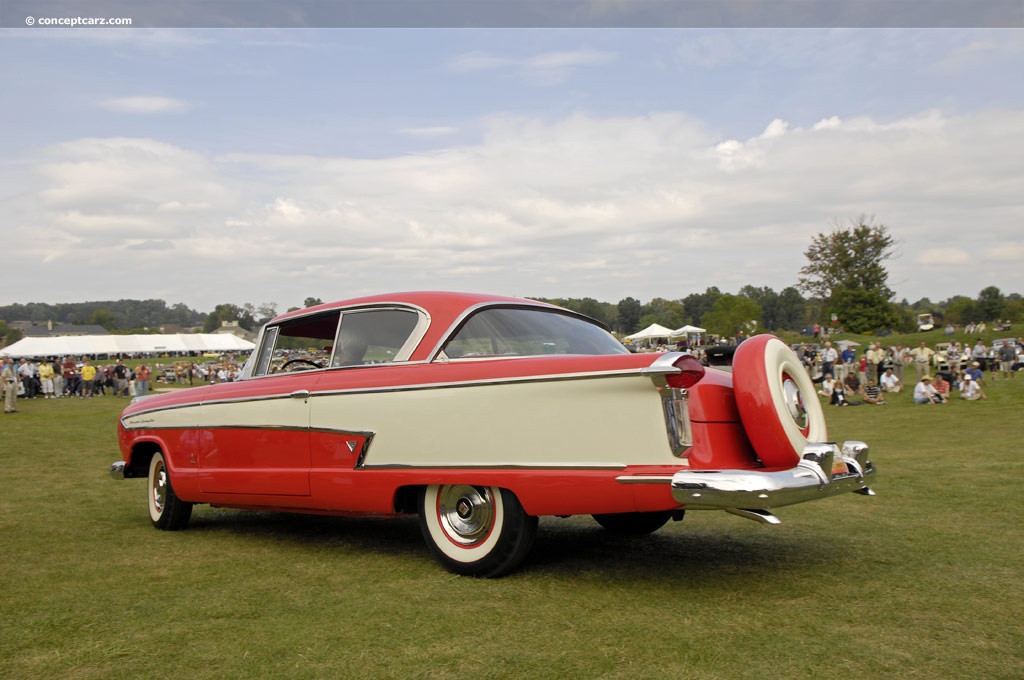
(478, 531)
(633, 523)
(166, 510)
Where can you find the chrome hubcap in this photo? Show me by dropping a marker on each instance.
(794, 402)
(160, 489)
(466, 513)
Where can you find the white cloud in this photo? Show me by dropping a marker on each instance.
(428, 132)
(655, 205)
(545, 69)
(145, 105)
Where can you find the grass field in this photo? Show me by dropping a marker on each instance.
(922, 581)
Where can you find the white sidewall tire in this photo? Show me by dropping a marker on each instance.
(761, 370)
(157, 466)
(448, 543)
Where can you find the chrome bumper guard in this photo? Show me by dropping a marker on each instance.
(117, 470)
(824, 470)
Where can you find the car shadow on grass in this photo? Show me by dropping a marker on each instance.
(564, 547)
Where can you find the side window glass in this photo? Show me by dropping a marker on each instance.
(372, 336)
(297, 345)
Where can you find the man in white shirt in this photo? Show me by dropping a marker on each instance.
(924, 393)
(891, 383)
(970, 389)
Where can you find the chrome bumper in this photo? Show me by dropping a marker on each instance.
(117, 470)
(824, 470)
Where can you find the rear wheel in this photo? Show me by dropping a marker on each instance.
(166, 510)
(633, 523)
(478, 531)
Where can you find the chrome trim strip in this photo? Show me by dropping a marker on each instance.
(462, 466)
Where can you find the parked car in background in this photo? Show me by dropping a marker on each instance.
(479, 414)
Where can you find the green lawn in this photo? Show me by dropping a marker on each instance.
(922, 581)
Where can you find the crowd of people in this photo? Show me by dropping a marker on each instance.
(68, 377)
(848, 378)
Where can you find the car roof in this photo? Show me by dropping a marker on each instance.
(443, 307)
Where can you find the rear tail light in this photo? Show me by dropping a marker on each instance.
(690, 373)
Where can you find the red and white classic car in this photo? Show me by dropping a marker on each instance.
(481, 413)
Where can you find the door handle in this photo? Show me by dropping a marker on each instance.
(300, 394)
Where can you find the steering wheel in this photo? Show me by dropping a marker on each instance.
(313, 364)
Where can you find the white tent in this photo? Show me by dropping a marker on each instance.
(78, 345)
(687, 331)
(651, 332)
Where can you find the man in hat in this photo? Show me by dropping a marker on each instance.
(974, 370)
(970, 389)
(925, 393)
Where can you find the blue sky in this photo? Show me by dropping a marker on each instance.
(268, 165)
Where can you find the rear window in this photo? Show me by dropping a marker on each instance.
(510, 331)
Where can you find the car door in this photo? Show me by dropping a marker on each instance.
(256, 437)
(256, 432)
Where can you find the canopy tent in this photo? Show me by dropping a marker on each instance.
(843, 344)
(78, 345)
(687, 331)
(651, 332)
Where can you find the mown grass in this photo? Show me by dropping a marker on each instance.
(921, 581)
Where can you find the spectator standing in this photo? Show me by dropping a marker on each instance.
(922, 356)
(875, 357)
(142, 375)
(829, 356)
(46, 379)
(69, 372)
(924, 392)
(899, 360)
(11, 380)
(979, 353)
(88, 378)
(27, 376)
(849, 357)
(120, 379)
(1007, 354)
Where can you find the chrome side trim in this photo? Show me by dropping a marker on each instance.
(507, 466)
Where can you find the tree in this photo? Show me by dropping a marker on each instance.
(779, 311)
(312, 302)
(629, 315)
(846, 271)
(103, 317)
(699, 304)
(669, 313)
(732, 314)
(991, 304)
(222, 312)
